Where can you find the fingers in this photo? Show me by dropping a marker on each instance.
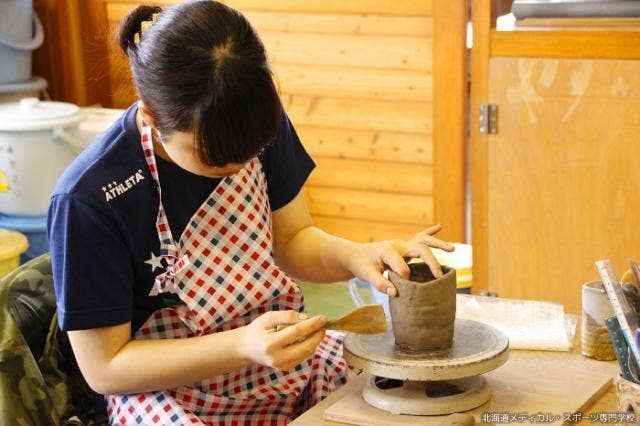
(433, 229)
(299, 331)
(296, 353)
(425, 237)
(377, 280)
(430, 260)
(436, 243)
(272, 319)
(396, 263)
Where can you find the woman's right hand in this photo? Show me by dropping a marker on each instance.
(286, 348)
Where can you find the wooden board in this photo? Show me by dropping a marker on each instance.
(395, 178)
(365, 230)
(565, 383)
(374, 7)
(370, 205)
(354, 82)
(450, 116)
(409, 53)
(367, 114)
(327, 23)
(566, 44)
(483, 17)
(368, 145)
(396, 7)
(563, 171)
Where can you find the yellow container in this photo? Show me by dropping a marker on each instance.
(461, 260)
(12, 245)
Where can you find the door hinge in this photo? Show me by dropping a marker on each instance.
(489, 119)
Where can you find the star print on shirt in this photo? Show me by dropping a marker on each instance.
(155, 262)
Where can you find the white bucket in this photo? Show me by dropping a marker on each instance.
(20, 33)
(35, 148)
(13, 92)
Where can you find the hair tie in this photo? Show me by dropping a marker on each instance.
(144, 26)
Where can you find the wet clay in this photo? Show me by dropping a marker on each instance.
(423, 313)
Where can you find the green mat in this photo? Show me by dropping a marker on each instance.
(331, 300)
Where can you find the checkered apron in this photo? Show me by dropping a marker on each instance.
(223, 271)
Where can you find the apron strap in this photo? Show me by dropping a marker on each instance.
(169, 250)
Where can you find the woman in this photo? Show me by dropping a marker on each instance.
(183, 330)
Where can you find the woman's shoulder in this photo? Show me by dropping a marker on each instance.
(114, 156)
(286, 165)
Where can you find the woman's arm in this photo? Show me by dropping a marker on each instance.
(309, 253)
(302, 250)
(112, 363)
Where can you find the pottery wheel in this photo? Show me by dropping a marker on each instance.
(426, 398)
(477, 348)
(430, 382)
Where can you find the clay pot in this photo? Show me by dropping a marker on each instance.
(423, 313)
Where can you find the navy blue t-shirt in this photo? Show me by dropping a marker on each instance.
(102, 217)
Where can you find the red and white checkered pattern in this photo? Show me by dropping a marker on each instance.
(223, 271)
(168, 247)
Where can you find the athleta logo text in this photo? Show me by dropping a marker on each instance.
(115, 189)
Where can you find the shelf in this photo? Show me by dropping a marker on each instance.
(595, 43)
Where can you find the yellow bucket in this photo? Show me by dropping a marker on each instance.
(12, 245)
(461, 260)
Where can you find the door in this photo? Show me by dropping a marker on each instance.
(563, 174)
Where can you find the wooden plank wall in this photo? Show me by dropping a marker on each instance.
(74, 57)
(356, 78)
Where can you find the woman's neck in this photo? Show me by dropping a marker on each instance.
(157, 146)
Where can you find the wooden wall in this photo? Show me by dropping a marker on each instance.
(74, 57)
(357, 79)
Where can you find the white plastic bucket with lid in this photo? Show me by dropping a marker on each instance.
(20, 33)
(13, 92)
(35, 148)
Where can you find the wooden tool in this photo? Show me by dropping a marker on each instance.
(365, 319)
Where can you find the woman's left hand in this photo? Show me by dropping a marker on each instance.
(369, 260)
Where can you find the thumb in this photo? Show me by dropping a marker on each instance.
(272, 319)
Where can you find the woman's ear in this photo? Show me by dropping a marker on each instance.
(147, 115)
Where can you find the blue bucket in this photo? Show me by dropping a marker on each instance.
(35, 228)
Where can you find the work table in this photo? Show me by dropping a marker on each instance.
(602, 401)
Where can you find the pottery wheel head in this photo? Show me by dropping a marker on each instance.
(477, 348)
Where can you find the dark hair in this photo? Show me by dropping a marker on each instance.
(201, 67)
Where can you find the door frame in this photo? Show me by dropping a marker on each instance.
(450, 117)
